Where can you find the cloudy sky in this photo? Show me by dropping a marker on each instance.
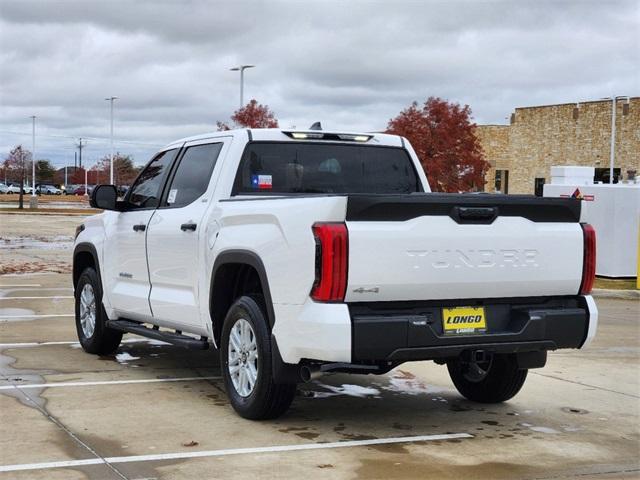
(351, 64)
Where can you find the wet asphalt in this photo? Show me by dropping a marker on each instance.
(576, 418)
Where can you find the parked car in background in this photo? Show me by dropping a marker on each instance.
(49, 190)
(70, 189)
(82, 191)
(4, 188)
(12, 188)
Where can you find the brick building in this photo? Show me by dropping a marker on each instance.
(522, 153)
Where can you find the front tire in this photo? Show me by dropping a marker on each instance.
(94, 335)
(245, 360)
(494, 380)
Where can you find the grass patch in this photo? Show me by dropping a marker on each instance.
(615, 283)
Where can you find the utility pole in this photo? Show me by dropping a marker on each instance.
(80, 153)
(241, 69)
(111, 99)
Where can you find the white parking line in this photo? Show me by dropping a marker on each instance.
(36, 298)
(11, 318)
(232, 451)
(105, 382)
(34, 344)
(44, 344)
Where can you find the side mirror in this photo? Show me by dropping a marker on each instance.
(104, 197)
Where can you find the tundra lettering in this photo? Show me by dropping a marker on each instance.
(478, 258)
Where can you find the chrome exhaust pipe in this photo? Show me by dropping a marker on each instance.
(308, 373)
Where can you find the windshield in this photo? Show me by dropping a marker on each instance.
(281, 168)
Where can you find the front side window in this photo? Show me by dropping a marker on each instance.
(193, 174)
(284, 168)
(146, 191)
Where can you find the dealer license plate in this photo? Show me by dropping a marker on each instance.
(463, 320)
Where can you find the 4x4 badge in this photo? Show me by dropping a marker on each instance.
(366, 290)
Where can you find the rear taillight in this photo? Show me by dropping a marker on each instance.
(332, 254)
(589, 262)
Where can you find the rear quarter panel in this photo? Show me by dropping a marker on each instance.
(278, 230)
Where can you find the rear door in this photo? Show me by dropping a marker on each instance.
(125, 257)
(439, 246)
(176, 237)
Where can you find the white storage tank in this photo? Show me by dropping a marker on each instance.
(572, 175)
(614, 212)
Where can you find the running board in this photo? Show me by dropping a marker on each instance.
(176, 338)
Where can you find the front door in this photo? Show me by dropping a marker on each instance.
(125, 256)
(176, 239)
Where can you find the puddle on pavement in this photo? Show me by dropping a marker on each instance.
(400, 382)
(125, 357)
(345, 389)
(405, 382)
(15, 314)
(60, 242)
(12, 376)
(7, 292)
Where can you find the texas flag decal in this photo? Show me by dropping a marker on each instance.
(262, 182)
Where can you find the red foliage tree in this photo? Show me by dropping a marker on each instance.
(77, 177)
(124, 170)
(252, 115)
(444, 139)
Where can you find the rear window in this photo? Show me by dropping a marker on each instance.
(281, 168)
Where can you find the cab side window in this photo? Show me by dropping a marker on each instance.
(146, 190)
(192, 175)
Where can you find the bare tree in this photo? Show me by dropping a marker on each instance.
(15, 165)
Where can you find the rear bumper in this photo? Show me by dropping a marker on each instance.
(404, 331)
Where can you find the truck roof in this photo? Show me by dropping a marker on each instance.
(284, 135)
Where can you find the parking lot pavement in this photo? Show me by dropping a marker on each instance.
(157, 411)
(36, 243)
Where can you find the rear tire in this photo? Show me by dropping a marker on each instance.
(488, 382)
(245, 360)
(94, 335)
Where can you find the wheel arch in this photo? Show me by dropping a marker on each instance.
(85, 255)
(229, 268)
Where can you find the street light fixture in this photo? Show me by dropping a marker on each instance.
(111, 99)
(241, 69)
(33, 156)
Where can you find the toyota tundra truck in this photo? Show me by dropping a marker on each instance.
(295, 254)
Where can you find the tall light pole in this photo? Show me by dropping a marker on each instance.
(612, 152)
(241, 69)
(111, 99)
(33, 155)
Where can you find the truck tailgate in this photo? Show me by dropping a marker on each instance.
(457, 246)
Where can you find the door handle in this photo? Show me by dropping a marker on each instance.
(139, 228)
(188, 226)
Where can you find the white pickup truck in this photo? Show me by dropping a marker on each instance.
(298, 253)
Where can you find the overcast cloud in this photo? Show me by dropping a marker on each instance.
(351, 64)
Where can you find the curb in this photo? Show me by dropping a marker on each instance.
(622, 294)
